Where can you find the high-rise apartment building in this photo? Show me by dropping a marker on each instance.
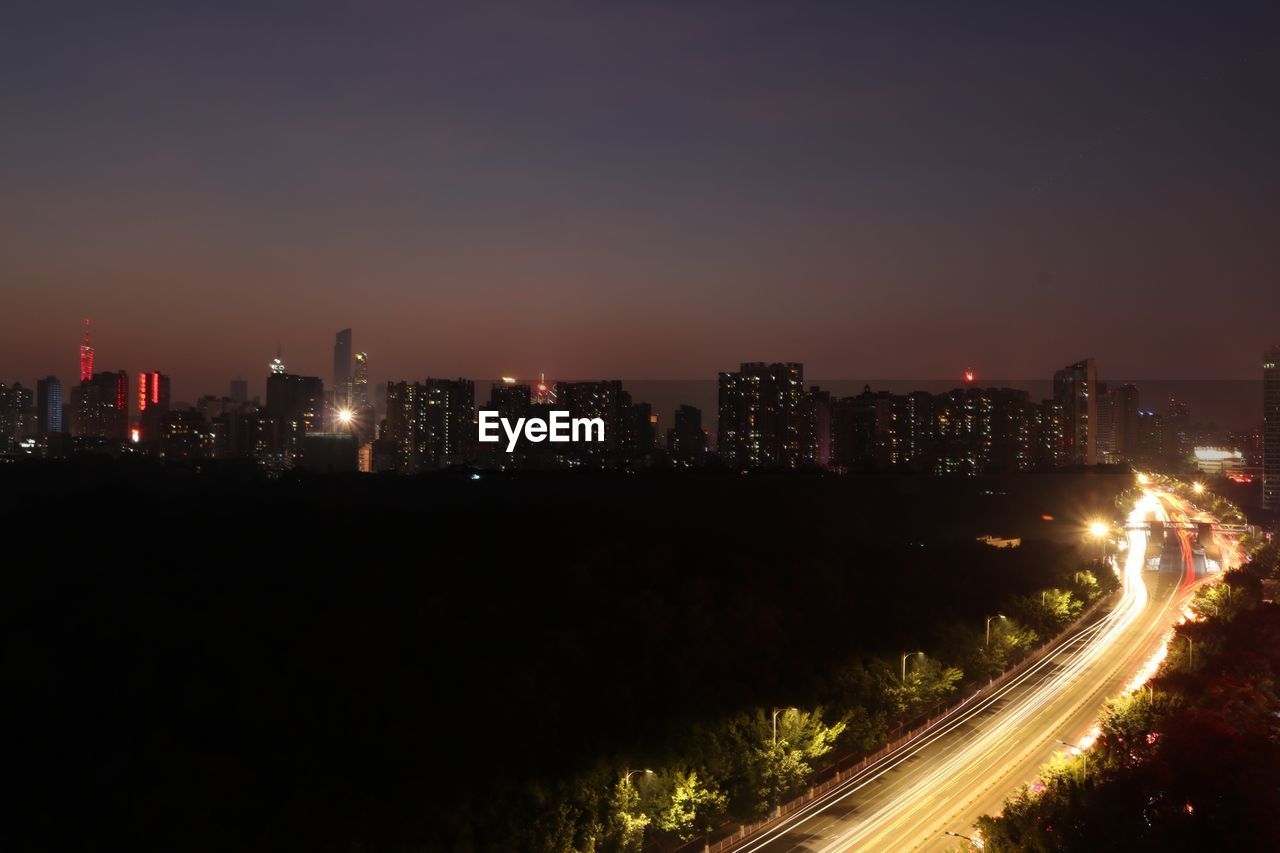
(101, 406)
(1271, 429)
(296, 407)
(49, 405)
(430, 424)
(686, 442)
(1124, 402)
(763, 416)
(1075, 388)
(240, 390)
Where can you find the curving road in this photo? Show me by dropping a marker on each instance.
(968, 761)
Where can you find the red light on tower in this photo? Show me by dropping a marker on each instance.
(969, 376)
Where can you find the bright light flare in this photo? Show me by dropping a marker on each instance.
(1198, 488)
(1097, 529)
(345, 416)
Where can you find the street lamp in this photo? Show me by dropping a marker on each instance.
(1191, 654)
(989, 618)
(776, 712)
(628, 774)
(1075, 750)
(1098, 530)
(1198, 488)
(906, 655)
(972, 841)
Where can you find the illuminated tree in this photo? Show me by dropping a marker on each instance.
(693, 808)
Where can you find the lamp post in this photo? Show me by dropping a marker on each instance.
(972, 841)
(906, 655)
(1191, 653)
(1099, 530)
(1084, 756)
(628, 774)
(989, 618)
(776, 712)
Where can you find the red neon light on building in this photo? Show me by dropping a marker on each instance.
(155, 386)
(142, 392)
(122, 390)
(86, 355)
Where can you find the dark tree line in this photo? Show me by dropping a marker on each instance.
(213, 660)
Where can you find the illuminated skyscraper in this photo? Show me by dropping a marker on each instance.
(86, 355)
(360, 381)
(1271, 429)
(1076, 387)
(49, 404)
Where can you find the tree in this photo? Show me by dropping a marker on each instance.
(928, 682)
(693, 807)
(783, 766)
(626, 821)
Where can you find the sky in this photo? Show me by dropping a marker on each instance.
(639, 190)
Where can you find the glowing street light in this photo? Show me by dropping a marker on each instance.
(1198, 488)
(1099, 530)
(989, 618)
(906, 655)
(627, 775)
(345, 416)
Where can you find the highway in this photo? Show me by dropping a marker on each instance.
(969, 761)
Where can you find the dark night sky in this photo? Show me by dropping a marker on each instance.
(640, 190)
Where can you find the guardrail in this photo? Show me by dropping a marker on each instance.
(854, 763)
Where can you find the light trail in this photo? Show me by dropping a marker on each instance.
(930, 797)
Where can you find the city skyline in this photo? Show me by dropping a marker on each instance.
(89, 357)
(646, 191)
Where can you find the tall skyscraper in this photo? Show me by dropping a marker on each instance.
(1271, 429)
(1124, 421)
(762, 416)
(360, 381)
(1075, 387)
(49, 404)
(342, 369)
(86, 355)
(240, 390)
(1178, 425)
